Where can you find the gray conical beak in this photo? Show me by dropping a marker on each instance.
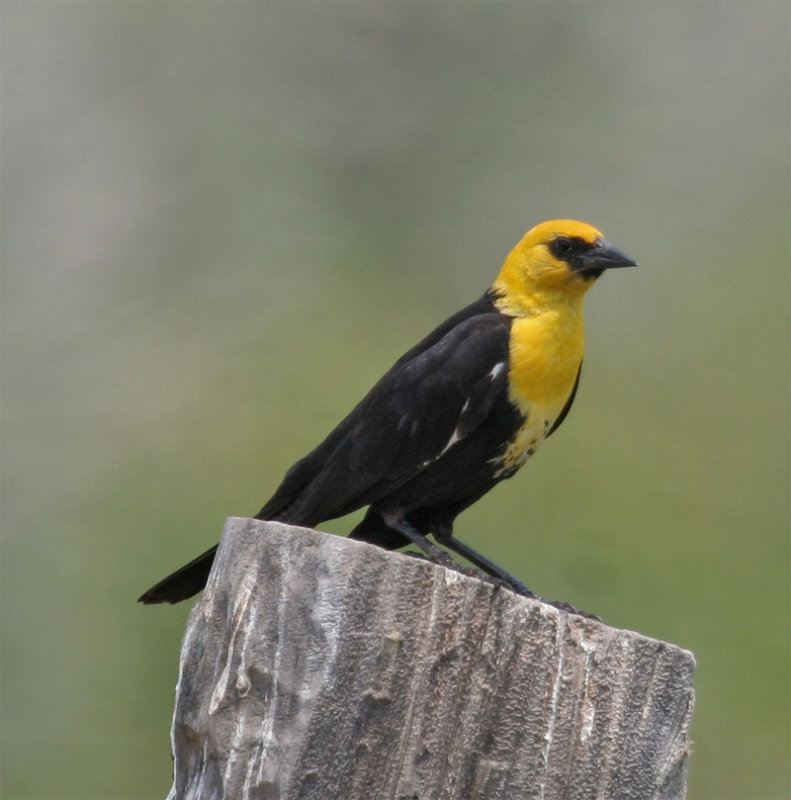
(605, 255)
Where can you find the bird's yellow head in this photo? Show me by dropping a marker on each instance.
(554, 262)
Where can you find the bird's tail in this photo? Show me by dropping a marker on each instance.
(192, 577)
(182, 583)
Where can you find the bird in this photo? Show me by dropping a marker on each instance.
(459, 412)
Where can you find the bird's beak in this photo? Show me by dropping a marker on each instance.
(605, 255)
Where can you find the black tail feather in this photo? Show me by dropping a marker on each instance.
(182, 583)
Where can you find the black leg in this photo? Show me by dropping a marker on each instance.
(485, 564)
(439, 556)
(487, 570)
(498, 572)
(429, 549)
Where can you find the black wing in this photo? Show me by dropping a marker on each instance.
(434, 396)
(444, 387)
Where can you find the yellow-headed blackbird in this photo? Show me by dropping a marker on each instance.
(462, 410)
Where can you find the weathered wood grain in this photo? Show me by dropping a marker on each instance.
(320, 667)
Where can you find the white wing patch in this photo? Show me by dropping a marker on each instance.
(496, 370)
(454, 437)
(457, 434)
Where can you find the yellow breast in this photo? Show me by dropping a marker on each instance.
(546, 351)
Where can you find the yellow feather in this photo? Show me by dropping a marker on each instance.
(545, 297)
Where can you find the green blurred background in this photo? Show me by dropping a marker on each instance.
(223, 221)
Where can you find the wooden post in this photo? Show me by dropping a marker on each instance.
(319, 667)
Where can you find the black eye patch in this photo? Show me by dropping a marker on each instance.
(566, 247)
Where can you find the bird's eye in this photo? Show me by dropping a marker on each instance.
(562, 246)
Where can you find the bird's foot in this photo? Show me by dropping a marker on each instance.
(570, 609)
(510, 583)
(450, 563)
(473, 572)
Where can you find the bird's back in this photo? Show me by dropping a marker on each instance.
(405, 422)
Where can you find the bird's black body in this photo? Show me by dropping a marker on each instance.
(450, 418)
(391, 452)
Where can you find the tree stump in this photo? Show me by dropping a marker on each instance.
(320, 667)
